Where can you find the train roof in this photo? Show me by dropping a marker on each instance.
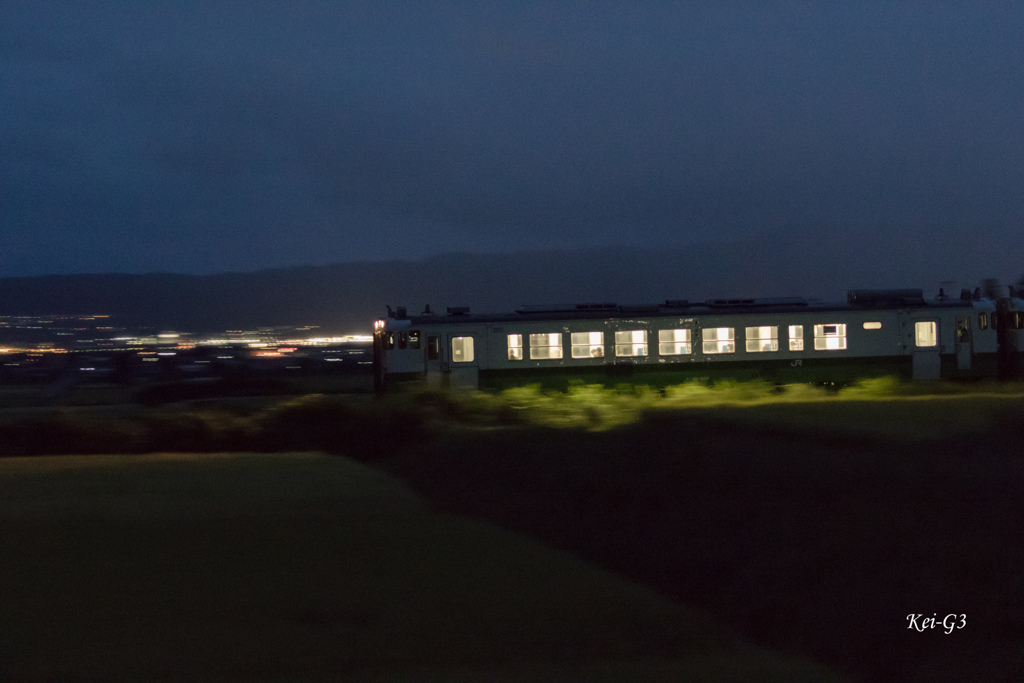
(857, 300)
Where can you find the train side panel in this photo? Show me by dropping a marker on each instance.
(831, 344)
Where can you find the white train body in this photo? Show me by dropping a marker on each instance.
(874, 333)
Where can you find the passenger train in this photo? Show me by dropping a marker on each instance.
(783, 340)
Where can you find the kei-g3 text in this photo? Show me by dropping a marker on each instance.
(949, 623)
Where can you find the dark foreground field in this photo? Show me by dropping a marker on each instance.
(803, 543)
(811, 526)
(313, 567)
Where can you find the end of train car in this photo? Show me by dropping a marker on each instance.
(784, 340)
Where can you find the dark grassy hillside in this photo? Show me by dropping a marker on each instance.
(810, 522)
(805, 545)
(303, 567)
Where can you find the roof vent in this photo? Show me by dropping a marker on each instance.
(458, 310)
(885, 297)
(729, 302)
(545, 308)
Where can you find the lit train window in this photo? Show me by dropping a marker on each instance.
(462, 350)
(414, 339)
(515, 347)
(587, 344)
(872, 326)
(674, 342)
(1017, 320)
(718, 340)
(762, 339)
(630, 343)
(389, 340)
(983, 321)
(925, 333)
(830, 337)
(796, 337)
(547, 346)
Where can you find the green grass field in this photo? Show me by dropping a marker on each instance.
(809, 521)
(309, 567)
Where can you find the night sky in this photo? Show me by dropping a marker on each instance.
(201, 137)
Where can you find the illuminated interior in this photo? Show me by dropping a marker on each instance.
(462, 350)
(926, 333)
(546, 346)
(515, 347)
(830, 337)
(718, 340)
(796, 337)
(674, 342)
(762, 339)
(587, 344)
(630, 343)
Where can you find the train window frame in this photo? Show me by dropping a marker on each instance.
(713, 345)
(796, 337)
(830, 337)
(403, 339)
(463, 350)
(389, 340)
(414, 339)
(433, 347)
(515, 347)
(633, 346)
(586, 345)
(926, 334)
(546, 351)
(1017, 320)
(983, 321)
(762, 339)
(672, 343)
(963, 329)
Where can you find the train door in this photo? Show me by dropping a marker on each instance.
(436, 360)
(464, 368)
(964, 344)
(924, 336)
(452, 360)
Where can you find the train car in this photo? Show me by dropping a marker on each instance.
(785, 340)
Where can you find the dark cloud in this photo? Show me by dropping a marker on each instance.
(199, 137)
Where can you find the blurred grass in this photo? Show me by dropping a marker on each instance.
(371, 427)
(883, 408)
(305, 567)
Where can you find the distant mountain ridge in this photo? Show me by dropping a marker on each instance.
(347, 297)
